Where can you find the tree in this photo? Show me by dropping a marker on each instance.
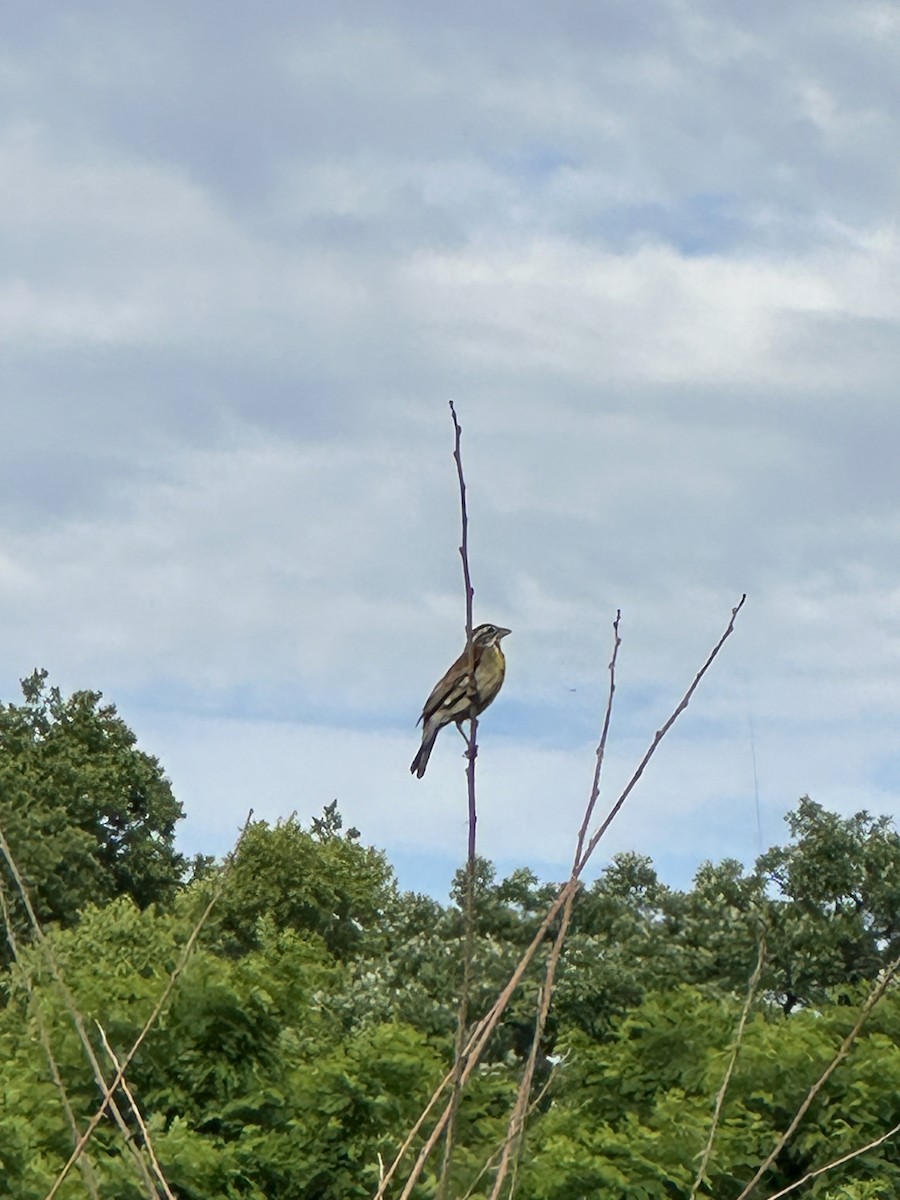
(321, 882)
(87, 815)
(631, 1113)
(837, 920)
(313, 1021)
(248, 1084)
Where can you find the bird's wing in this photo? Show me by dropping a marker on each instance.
(451, 692)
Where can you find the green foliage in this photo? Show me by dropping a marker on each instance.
(318, 1011)
(249, 1086)
(318, 882)
(416, 974)
(632, 1112)
(87, 815)
(839, 919)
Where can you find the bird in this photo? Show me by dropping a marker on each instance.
(454, 699)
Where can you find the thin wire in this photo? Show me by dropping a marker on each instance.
(759, 832)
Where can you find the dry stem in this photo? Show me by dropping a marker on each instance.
(515, 1129)
(141, 1123)
(462, 1017)
(729, 1070)
(74, 1014)
(87, 1170)
(837, 1162)
(844, 1049)
(151, 1020)
(480, 1036)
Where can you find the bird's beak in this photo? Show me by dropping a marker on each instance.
(501, 632)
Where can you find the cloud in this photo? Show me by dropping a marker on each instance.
(652, 254)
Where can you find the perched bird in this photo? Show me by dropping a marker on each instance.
(453, 699)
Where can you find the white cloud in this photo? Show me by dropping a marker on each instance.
(587, 317)
(652, 255)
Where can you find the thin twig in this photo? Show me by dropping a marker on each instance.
(464, 522)
(838, 1162)
(513, 1142)
(844, 1049)
(476, 1045)
(462, 1016)
(551, 1078)
(723, 1090)
(385, 1177)
(72, 1009)
(145, 1132)
(601, 748)
(660, 734)
(85, 1165)
(154, 1015)
(485, 1027)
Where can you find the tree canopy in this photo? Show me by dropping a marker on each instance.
(88, 816)
(316, 1013)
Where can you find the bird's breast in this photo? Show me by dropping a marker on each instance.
(489, 674)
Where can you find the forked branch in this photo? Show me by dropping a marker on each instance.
(480, 1036)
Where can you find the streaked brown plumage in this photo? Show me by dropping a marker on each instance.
(450, 699)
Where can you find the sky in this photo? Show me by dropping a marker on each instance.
(651, 252)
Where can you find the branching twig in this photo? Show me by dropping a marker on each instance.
(660, 734)
(723, 1090)
(844, 1049)
(515, 1129)
(153, 1018)
(481, 1034)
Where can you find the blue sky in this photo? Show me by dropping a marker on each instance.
(652, 254)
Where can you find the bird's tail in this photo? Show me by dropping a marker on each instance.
(420, 762)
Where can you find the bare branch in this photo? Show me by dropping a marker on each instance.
(145, 1132)
(843, 1050)
(515, 1129)
(154, 1015)
(723, 1090)
(75, 1016)
(462, 1016)
(481, 1034)
(838, 1162)
(660, 734)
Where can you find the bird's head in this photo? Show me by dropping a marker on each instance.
(488, 635)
